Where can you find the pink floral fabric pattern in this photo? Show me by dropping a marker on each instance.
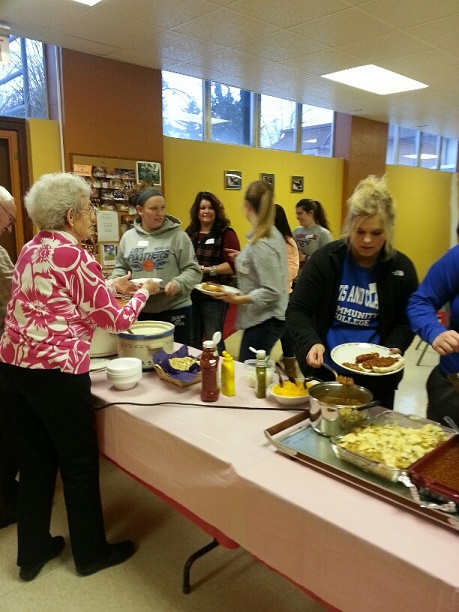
(58, 298)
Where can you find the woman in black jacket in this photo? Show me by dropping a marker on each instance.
(355, 289)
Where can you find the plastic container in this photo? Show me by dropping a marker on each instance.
(146, 339)
(227, 375)
(250, 365)
(260, 374)
(210, 391)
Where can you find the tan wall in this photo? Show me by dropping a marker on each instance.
(199, 166)
(110, 109)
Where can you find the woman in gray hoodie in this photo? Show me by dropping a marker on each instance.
(156, 247)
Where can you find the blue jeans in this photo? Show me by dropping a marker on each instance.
(261, 336)
(207, 316)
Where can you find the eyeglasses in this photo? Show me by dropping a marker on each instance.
(92, 210)
(12, 219)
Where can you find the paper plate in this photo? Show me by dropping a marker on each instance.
(226, 289)
(347, 353)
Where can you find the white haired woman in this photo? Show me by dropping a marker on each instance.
(355, 289)
(58, 298)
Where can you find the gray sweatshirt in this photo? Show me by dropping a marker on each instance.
(165, 253)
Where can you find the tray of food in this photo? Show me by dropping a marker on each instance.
(390, 443)
(437, 474)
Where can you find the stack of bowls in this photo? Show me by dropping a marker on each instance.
(124, 373)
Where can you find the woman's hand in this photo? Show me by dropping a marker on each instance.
(171, 288)
(124, 285)
(447, 342)
(151, 286)
(315, 357)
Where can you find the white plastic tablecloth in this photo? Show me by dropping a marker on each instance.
(345, 547)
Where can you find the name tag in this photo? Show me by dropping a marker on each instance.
(210, 241)
(142, 243)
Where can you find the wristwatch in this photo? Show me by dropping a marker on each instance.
(213, 271)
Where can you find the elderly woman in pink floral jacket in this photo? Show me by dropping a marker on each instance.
(59, 296)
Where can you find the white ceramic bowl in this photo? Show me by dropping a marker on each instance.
(250, 365)
(285, 400)
(124, 366)
(123, 384)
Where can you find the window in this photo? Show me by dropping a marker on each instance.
(316, 130)
(182, 106)
(231, 114)
(277, 123)
(207, 110)
(429, 151)
(412, 148)
(448, 155)
(23, 81)
(407, 147)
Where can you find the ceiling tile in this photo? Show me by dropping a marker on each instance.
(388, 46)
(299, 11)
(226, 27)
(410, 12)
(440, 32)
(343, 28)
(280, 46)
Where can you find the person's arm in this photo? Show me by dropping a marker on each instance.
(440, 285)
(230, 242)
(293, 261)
(190, 270)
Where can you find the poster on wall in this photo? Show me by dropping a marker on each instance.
(148, 171)
(107, 252)
(107, 226)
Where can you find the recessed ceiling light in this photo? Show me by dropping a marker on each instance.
(88, 2)
(375, 79)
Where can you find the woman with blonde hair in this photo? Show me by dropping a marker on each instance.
(355, 289)
(261, 269)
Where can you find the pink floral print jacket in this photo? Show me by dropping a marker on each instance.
(58, 298)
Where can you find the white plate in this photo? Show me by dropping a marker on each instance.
(98, 364)
(227, 289)
(141, 281)
(349, 351)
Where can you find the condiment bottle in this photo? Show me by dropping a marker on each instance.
(209, 372)
(227, 375)
(260, 374)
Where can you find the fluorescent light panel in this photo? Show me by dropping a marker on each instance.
(88, 2)
(375, 79)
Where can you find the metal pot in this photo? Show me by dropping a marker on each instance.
(333, 419)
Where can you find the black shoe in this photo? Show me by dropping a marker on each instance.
(119, 552)
(28, 573)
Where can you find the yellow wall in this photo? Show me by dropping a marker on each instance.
(422, 226)
(192, 166)
(44, 147)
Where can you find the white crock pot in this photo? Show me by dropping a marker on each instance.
(104, 344)
(146, 339)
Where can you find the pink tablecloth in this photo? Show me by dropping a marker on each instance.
(349, 549)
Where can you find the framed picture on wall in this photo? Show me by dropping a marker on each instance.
(269, 178)
(107, 251)
(148, 171)
(297, 184)
(233, 179)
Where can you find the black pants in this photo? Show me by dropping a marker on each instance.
(180, 317)
(9, 463)
(443, 399)
(55, 422)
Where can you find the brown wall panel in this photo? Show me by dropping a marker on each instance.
(110, 108)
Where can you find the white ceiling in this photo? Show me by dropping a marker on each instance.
(273, 48)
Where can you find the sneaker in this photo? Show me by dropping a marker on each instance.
(119, 552)
(29, 572)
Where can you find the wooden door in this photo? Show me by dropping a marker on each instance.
(10, 178)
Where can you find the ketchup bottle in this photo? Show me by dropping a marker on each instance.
(209, 372)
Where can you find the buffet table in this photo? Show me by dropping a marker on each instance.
(344, 547)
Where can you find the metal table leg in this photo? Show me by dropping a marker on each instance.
(191, 559)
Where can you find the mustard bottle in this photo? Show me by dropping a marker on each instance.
(227, 375)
